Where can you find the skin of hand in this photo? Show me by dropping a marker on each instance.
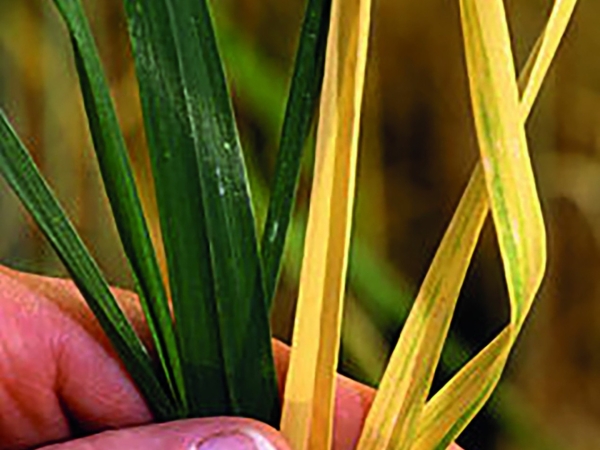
(58, 374)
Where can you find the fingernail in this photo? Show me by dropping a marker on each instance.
(235, 440)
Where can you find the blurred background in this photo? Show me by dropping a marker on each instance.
(418, 149)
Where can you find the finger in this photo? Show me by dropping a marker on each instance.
(55, 365)
(66, 368)
(222, 433)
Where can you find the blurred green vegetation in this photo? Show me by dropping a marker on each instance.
(417, 149)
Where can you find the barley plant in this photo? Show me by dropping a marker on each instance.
(222, 277)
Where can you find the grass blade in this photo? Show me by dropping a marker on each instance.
(309, 395)
(472, 382)
(408, 377)
(122, 194)
(180, 206)
(537, 67)
(19, 170)
(205, 209)
(451, 409)
(302, 100)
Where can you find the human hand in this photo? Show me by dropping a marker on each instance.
(60, 377)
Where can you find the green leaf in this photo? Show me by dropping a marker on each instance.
(301, 105)
(180, 206)
(206, 216)
(122, 193)
(19, 170)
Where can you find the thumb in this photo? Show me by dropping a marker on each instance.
(215, 433)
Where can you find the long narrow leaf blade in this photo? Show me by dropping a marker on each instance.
(180, 206)
(308, 402)
(122, 193)
(404, 388)
(476, 382)
(197, 158)
(19, 170)
(302, 100)
(545, 49)
(451, 409)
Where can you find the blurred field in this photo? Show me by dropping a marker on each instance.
(418, 147)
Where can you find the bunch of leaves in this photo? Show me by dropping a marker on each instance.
(221, 282)
(214, 354)
(402, 416)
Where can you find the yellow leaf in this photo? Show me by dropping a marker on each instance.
(405, 386)
(512, 195)
(398, 416)
(309, 395)
(544, 50)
